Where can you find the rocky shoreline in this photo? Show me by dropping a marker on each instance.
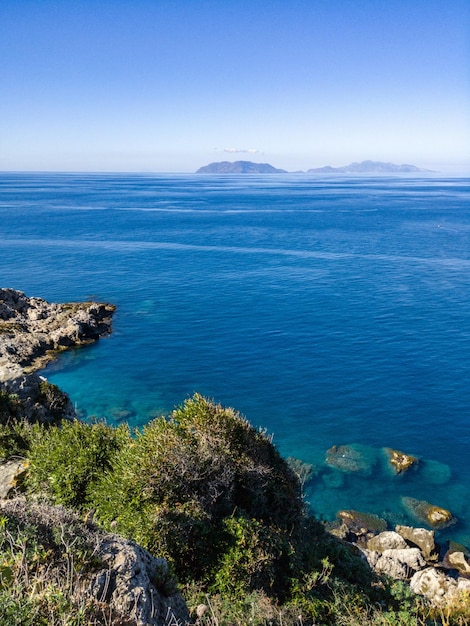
(33, 332)
(439, 572)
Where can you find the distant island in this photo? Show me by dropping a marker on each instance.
(368, 167)
(239, 167)
(364, 167)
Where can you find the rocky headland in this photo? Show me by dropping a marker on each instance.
(32, 333)
(32, 330)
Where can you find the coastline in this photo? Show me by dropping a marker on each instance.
(34, 331)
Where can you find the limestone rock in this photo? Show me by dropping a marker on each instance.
(32, 331)
(387, 564)
(398, 564)
(30, 328)
(137, 585)
(387, 540)
(399, 461)
(411, 557)
(11, 473)
(457, 560)
(435, 585)
(133, 586)
(420, 537)
(431, 514)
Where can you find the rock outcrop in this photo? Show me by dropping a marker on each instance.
(31, 329)
(438, 587)
(11, 475)
(136, 587)
(411, 555)
(400, 461)
(32, 332)
(420, 537)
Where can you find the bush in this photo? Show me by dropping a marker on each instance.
(66, 460)
(257, 556)
(174, 488)
(15, 439)
(9, 407)
(53, 399)
(47, 559)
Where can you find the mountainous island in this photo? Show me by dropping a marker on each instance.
(364, 167)
(368, 167)
(239, 167)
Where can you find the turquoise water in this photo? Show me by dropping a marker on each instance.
(326, 310)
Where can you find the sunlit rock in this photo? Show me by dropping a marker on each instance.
(387, 540)
(431, 514)
(11, 476)
(400, 462)
(457, 559)
(420, 537)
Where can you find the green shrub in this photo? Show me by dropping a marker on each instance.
(47, 558)
(182, 477)
(257, 556)
(66, 460)
(9, 407)
(53, 398)
(15, 438)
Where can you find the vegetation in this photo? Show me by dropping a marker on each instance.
(44, 568)
(209, 492)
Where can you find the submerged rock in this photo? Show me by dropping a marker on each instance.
(399, 461)
(305, 472)
(435, 473)
(352, 458)
(362, 523)
(431, 514)
(333, 479)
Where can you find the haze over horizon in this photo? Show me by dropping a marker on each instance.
(165, 86)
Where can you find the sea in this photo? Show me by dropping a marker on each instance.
(328, 310)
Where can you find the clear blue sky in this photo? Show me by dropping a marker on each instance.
(170, 85)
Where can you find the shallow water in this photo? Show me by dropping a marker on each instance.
(327, 310)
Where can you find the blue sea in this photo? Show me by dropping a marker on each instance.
(327, 310)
